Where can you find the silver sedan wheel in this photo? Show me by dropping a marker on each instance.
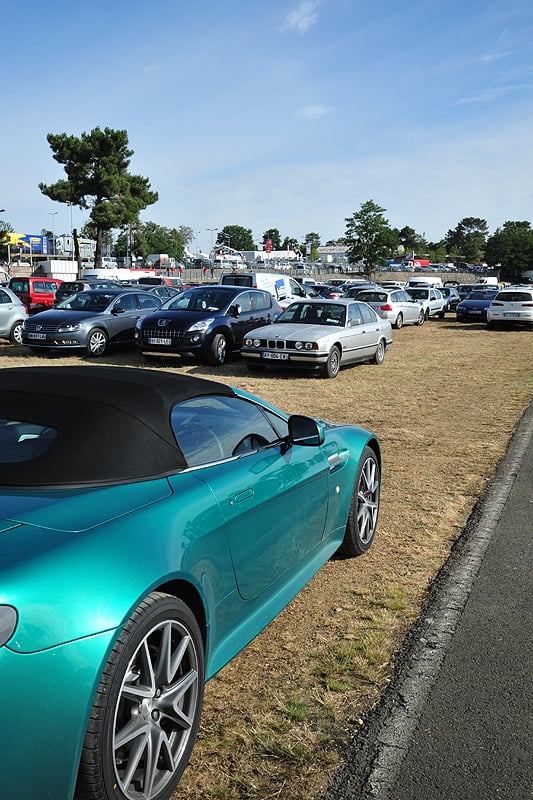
(379, 355)
(333, 364)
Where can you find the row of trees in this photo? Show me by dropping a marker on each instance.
(371, 239)
(98, 180)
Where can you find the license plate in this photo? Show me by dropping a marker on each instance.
(276, 356)
(36, 335)
(475, 312)
(511, 314)
(160, 341)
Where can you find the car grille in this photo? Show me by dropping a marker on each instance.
(39, 327)
(279, 344)
(161, 333)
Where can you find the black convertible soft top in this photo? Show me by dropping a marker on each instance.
(113, 423)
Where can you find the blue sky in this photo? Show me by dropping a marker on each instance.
(285, 114)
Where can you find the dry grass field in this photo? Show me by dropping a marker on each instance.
(444, 404)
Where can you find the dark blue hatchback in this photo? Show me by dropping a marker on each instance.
(205, 322)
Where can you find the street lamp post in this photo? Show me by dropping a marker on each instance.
(8, 245)
(52, 214)
(212, 230)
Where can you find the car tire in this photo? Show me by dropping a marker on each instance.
(97, 342)
(398, 322)
(379, 355)
(333, 364)
(146, 711)
(364, 506)
(421, 317)
(442, 313)
(15, 334)
(218, 350)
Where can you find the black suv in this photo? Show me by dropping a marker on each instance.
(205, 322)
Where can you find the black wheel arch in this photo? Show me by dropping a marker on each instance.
(188, 594)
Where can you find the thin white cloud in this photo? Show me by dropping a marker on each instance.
(488, 58)
(314, 111)
(302, 18)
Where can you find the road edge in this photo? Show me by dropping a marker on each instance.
(374, 757)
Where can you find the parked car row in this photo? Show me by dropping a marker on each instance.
(210, 321)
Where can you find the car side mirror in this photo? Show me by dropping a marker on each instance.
(118, 310)
(305, 431)
(235, 310)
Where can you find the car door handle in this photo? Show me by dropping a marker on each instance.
(246, 494)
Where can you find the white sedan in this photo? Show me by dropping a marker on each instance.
(319, 334)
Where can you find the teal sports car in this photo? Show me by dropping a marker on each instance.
(151, 525)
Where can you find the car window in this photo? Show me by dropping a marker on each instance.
(216, 427)
(261, 301)
(148, 301)
(4, 297)
(19, 285)
(23, 441)
(126, 301)
(244, 300)
(514, 297)
(368, 314)
(373, 297)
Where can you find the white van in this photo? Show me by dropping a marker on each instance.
(424, 281)
(284, 288)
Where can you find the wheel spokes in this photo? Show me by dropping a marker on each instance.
(155, 710)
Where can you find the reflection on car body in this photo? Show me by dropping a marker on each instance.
(319, 334)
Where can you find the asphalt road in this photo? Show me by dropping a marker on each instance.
(456, 721)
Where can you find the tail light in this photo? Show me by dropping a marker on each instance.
(386, 307)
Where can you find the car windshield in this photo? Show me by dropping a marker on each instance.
(480, 295)
(88, 301)
(419, 294)
(314, 314)
(209, 299)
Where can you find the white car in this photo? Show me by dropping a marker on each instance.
(319, 334)
(513, 305)
(430, 299)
